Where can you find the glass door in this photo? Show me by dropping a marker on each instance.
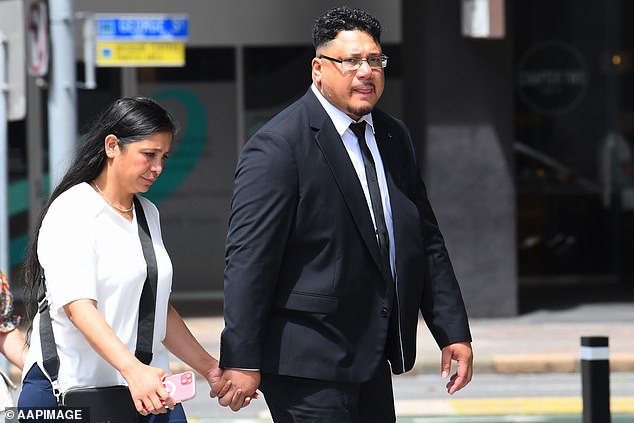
(574, 143)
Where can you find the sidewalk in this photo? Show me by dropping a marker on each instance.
(543, 341)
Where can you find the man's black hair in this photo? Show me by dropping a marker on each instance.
(344, 18)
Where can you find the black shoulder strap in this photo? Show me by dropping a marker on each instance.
(50, 359)
(147, 306)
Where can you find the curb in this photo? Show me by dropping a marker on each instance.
(533, 363)
(507, 364)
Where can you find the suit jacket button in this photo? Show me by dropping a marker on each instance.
(385, 312)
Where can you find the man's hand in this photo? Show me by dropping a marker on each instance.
(242, 386)
(463, 354)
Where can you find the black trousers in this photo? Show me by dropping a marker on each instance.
(299, 400)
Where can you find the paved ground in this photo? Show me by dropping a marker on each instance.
(541, 341)
(530, 395)
(462, 419)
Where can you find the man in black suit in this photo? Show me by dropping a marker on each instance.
(333, 247)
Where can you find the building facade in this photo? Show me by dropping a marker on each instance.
(523, 135)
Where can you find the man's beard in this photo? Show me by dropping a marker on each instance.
(360, 111)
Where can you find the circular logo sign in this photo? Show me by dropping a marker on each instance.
(552, 77)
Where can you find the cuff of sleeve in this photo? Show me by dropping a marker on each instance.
(238, 353)
(246, 370)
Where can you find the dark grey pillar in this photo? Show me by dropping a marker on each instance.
(458, 95)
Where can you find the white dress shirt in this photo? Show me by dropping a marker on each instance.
(342, 123)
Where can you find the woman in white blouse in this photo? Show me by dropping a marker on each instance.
(89, 250)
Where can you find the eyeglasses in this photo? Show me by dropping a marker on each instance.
(354, 63)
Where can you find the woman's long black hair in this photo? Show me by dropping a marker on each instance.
(130, 120)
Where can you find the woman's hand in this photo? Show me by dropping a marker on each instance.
(147, 390)
(220, 387)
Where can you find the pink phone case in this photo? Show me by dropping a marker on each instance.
(181, 386)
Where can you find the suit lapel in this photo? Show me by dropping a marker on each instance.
(390, 146)
(329, 142)
(388, 143)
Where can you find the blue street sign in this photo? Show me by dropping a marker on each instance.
(142, 27)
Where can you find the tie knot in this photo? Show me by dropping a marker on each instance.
(359, 129)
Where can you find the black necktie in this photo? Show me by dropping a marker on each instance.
(375, 195)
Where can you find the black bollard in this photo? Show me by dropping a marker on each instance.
(595, 379)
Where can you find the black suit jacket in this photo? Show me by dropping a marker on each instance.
(304, 293)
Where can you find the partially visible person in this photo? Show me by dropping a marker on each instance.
(87, 245)
(333, 249)
(12, 343)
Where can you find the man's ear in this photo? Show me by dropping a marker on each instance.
(316, 70)
(111, 143)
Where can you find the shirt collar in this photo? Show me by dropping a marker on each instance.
(341, 120)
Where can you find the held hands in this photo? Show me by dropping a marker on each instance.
(463, 354)
(221, 387)
(147, 390)
(234, 388)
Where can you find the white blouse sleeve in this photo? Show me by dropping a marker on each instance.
(66, 250)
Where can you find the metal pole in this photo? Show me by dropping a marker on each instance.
(4, 161)
(34, 151)
(595, 379)
(129, 82)
(90, 48)
(62, 97)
